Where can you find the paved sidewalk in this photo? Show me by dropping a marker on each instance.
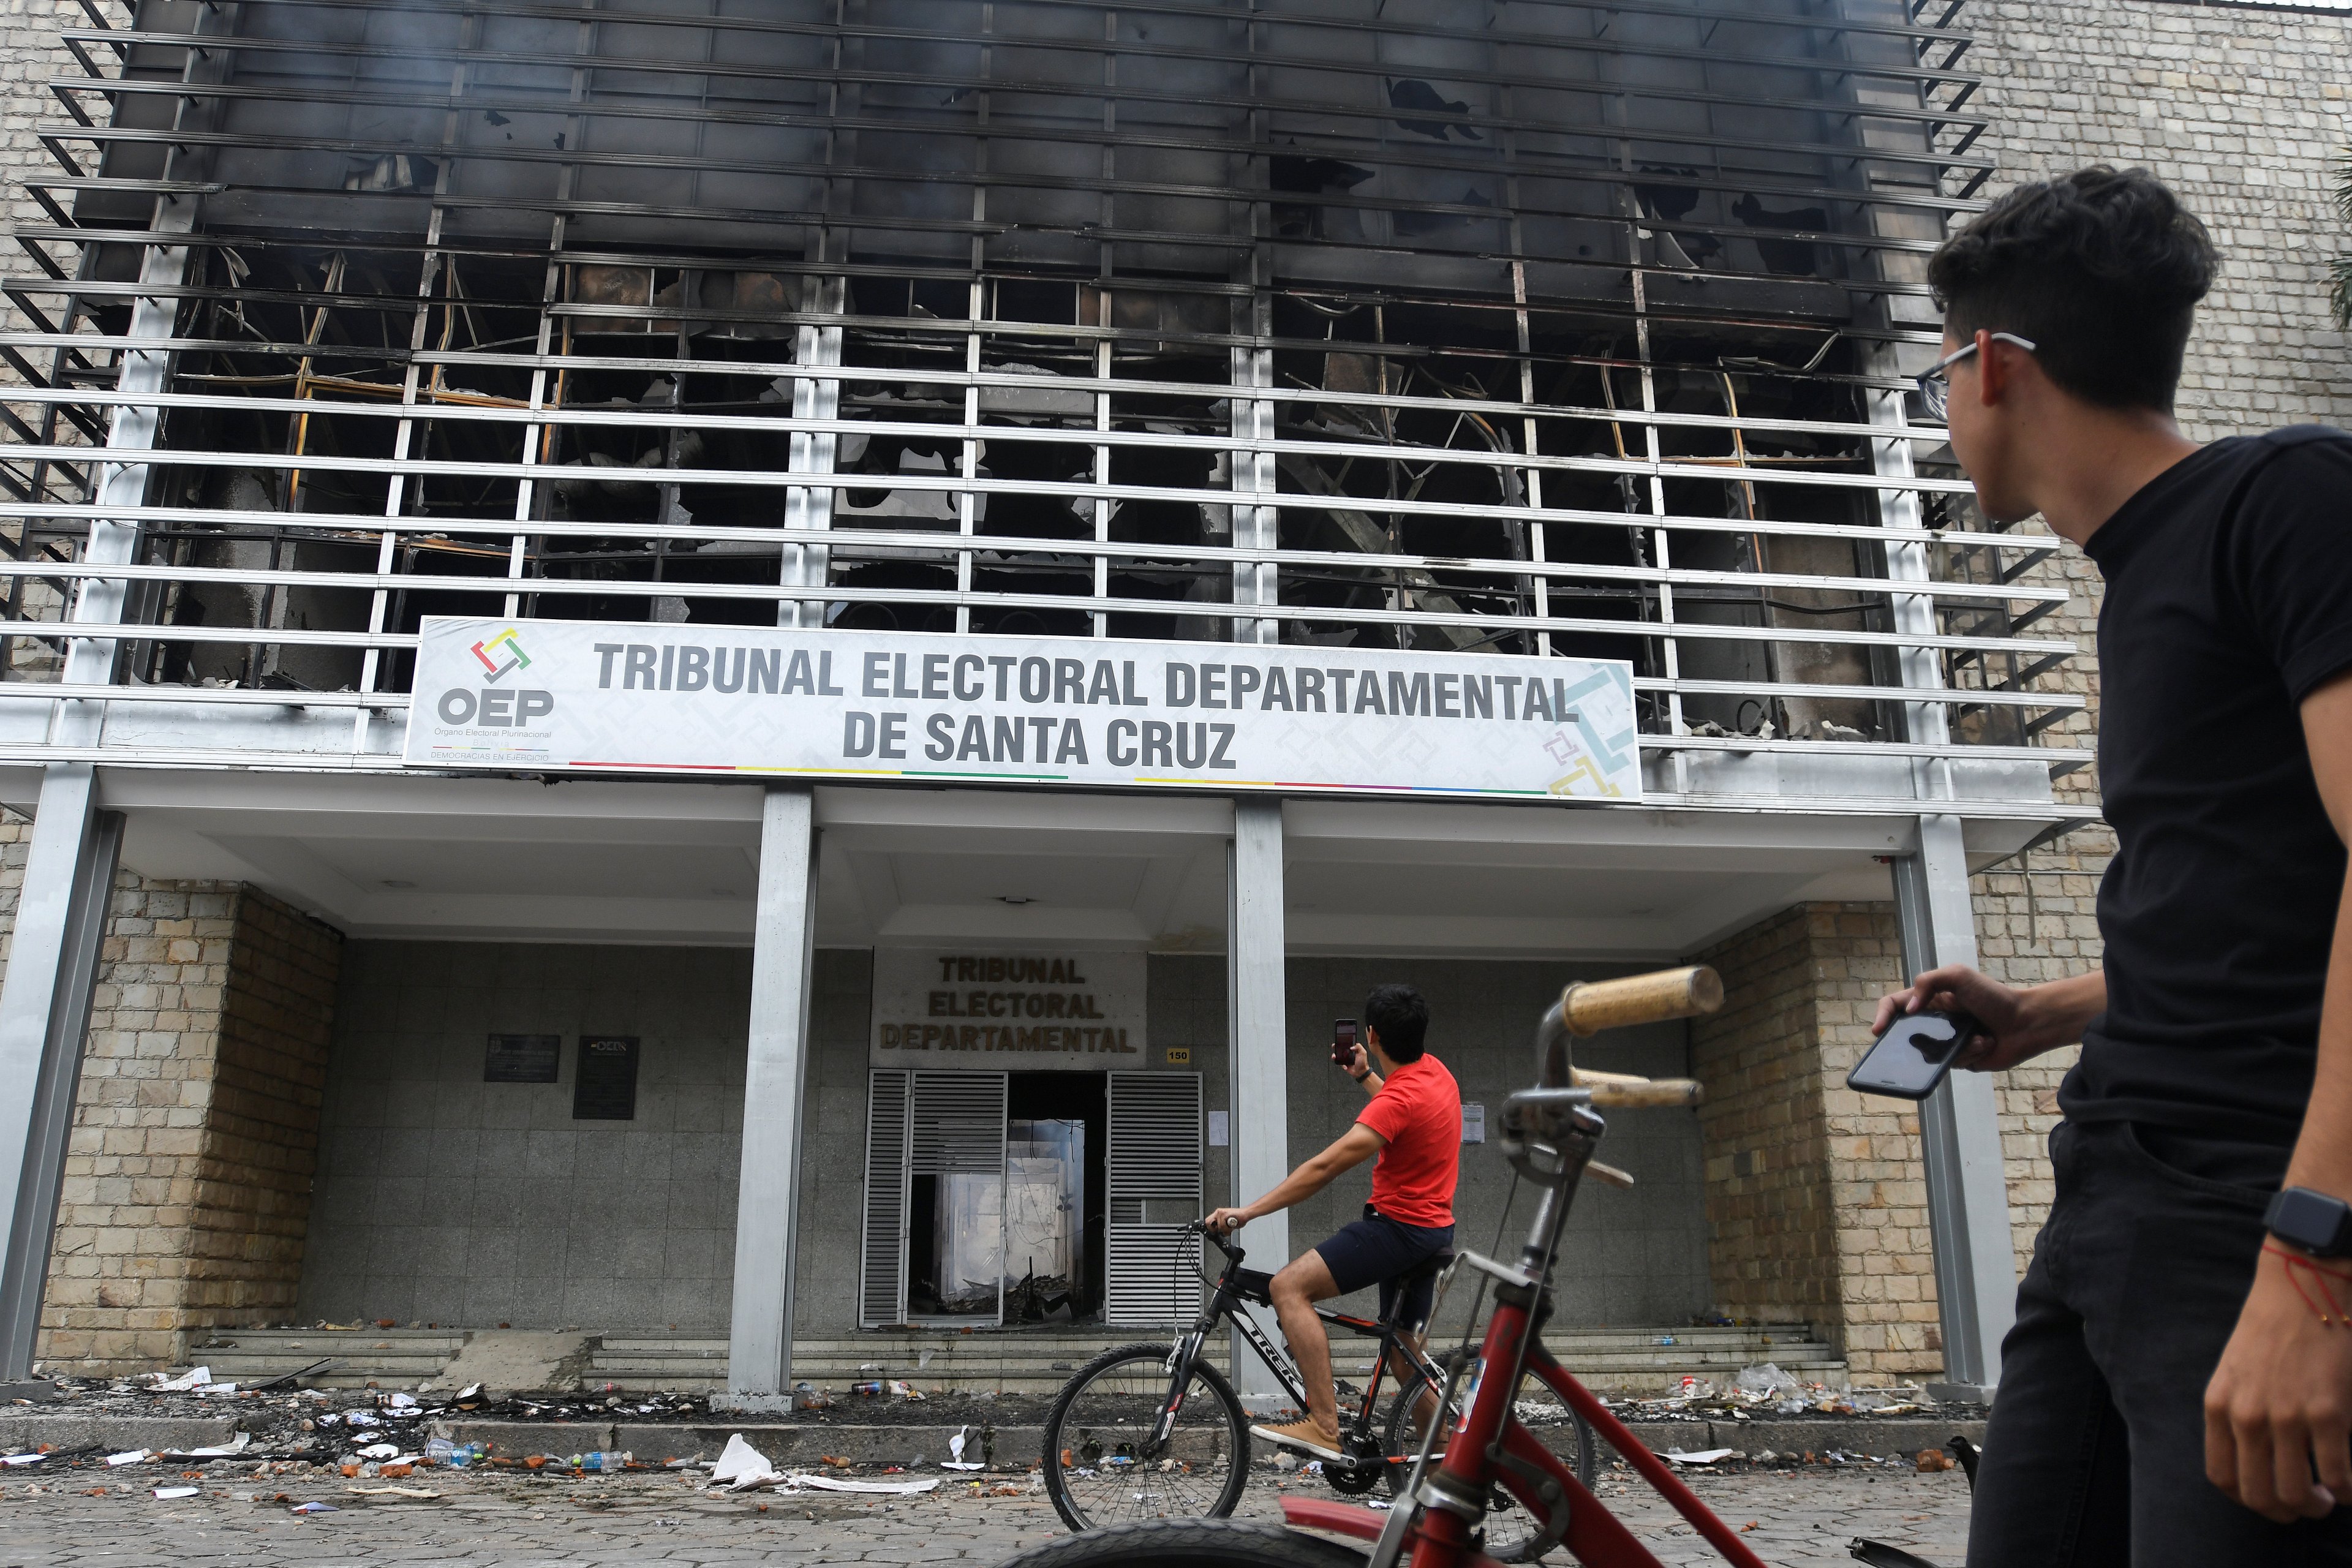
(1803, 1519)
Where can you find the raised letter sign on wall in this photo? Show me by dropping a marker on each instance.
(588, 696)
(1014, 1012)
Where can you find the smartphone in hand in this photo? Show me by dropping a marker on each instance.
(1913, 1056)
(1343, 1042)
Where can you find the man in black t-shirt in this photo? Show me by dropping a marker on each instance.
(2178, 1387)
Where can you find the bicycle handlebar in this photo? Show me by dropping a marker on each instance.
(1626, 1091)
(1222, 1238)
(1589, 1006)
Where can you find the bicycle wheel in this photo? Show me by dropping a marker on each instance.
(1190, 1544)
(1102, 1465)
(1509, 1529)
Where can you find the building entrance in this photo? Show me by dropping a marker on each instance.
(1027, 1246)
(1027, 1198)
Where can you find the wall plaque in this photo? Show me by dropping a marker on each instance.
(606, 1088)
(523, 1059)
(1026, 1011)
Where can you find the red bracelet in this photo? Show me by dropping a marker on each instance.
(2295, 1260)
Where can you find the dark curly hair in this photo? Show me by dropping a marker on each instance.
(2101, 270)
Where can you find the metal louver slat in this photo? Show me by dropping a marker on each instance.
(882, 1256)
(1153, 1174)
(958, 1124)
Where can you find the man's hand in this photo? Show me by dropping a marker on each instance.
(1225, 1222)
(2278, 1401)
(2282, 1396)
(2018, 1024)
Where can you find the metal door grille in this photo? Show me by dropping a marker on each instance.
(956, 1127)
(958, 1124)
(882, 1254)
(1152, 1168)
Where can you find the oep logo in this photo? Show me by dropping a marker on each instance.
(492, 706)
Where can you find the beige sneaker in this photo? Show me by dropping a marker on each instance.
(1303, 1435)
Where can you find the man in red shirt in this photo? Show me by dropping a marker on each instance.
(1414, 1125)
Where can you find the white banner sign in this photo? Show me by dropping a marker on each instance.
(1014, 1012)
(551, 696)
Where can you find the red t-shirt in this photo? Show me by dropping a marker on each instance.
(1419, 1112)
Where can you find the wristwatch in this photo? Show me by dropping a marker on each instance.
(2315, 1222)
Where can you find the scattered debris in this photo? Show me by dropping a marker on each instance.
(742, 1467)
(1703, 1456)
(955, 1448)
(798, 1481)
(228, 1451)
(195, 1377)
(1766, 1380)
(166, 1494)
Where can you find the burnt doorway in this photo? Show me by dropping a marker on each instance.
(1056, 1127)
(1038, 1197)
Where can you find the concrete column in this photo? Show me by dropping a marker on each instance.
(1254, 1003)
(1959, 1130)
(775, 1088)
(44, 1018)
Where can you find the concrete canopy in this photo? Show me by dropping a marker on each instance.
(671, 863)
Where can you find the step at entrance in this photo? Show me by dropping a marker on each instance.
(1636, 1362)
(1643, 1362)
(389, 1358)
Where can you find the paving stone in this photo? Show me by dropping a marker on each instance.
(1802, 1518)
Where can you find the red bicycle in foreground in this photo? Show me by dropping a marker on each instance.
(1480, 1449)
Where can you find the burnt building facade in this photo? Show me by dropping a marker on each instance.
(1522, 346)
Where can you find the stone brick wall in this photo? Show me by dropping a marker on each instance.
(1816, 1203)
(2247, 113)
(1773, 1246)
(119, 1267)
(29, 56)
(2244, 112)
(187, 1182)
(1878, 1189)
(261, 1145)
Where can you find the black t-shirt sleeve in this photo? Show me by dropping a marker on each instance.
(2292, 557)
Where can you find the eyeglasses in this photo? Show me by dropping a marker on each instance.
(1935, 386)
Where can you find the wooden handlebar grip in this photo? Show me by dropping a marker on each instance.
(1608, 1176)
(1589, 1006)
(1670, 1092)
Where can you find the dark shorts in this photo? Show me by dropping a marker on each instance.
(1374, 1250)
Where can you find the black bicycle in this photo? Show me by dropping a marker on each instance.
(1155, 1431)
